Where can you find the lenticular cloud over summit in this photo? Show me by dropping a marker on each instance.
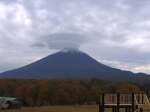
(115, 32)
(61, 41)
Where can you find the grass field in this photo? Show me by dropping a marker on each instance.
(57, 109)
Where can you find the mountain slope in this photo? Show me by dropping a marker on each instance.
(68, 65)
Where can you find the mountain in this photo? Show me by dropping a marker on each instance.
(69, 64)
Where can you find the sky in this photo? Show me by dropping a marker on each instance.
(114, 32)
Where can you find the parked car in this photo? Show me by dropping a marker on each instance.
(9, 103)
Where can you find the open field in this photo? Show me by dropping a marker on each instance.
(57, 109)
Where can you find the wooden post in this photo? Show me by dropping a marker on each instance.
(126, 109)
(142, 98)
(133, 103)
(118, 102)
(129, 109)
(101, 103)
(113, 109)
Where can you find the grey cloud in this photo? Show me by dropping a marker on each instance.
(61, 41)
(108, 30)
(9, 1)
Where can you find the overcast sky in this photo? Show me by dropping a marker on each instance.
(115, 32)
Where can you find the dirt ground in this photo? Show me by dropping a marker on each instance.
(57, 109)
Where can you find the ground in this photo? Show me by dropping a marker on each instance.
(57, 109)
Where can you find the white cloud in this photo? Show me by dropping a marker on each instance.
(143, 68)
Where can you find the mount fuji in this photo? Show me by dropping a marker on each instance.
(70, 64)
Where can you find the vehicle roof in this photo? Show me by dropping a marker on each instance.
(8, 98)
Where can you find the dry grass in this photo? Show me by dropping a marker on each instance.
(57, 109)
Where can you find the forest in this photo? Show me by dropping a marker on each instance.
(63, 92)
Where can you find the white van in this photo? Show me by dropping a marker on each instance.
(9, 102)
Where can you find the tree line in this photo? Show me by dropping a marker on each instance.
(61, 92)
